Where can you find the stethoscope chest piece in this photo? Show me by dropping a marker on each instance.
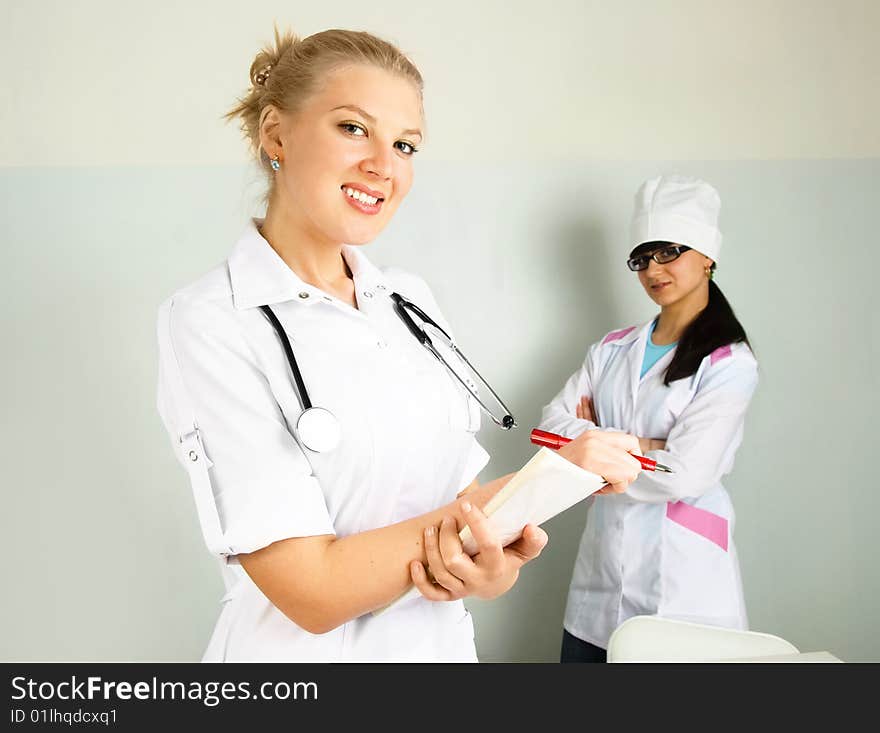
(318, 429)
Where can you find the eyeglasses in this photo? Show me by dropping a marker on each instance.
(661, 256)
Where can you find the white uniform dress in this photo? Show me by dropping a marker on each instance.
(227, 398)
(665, 546)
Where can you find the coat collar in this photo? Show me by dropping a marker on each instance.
(260, 277)
(628, 335)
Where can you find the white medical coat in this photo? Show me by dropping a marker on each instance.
(665, 546)
(228, 401)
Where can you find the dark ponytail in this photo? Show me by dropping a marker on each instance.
(715, 326)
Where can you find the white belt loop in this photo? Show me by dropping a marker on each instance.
(192, 449)
(197, 466)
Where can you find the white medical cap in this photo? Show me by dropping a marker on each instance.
(678, 209)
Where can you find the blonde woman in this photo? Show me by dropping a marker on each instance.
(316, 532)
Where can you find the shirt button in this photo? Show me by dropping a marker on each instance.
(303, 295)
(368, 293)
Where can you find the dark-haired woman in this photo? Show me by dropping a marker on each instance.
(682, 382)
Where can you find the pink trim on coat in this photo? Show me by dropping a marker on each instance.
(722, 352)
(711, 526)
(616, 335)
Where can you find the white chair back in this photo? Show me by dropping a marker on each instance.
(655, 639)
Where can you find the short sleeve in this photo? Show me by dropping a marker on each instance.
(478, 458)
(255, 486)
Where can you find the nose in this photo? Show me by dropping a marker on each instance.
(653, 268)
(379, 162)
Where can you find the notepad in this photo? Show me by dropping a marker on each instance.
(546, 486)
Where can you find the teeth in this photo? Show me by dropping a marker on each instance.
(361, 196)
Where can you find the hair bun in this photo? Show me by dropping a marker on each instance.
(262, 75)
(270, 56)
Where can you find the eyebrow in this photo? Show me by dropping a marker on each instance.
(371, 119)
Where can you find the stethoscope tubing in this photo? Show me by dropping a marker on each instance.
(400, 305)
(507, 422)
(291, 359)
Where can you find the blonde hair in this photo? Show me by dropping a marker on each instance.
(285, 74)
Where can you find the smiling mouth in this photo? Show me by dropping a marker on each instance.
(361, 196)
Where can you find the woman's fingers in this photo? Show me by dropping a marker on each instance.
(606, 454)
(428, 589)
(457, 563)
(587, 409)
(584, 409)
(618, 468)
(488, 546)
(624, 441)
(437, 564)
(529, 546)
(491, 571)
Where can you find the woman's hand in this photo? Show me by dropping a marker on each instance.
(584, 410)
(606, 454)
(647, 444)
(488, 574)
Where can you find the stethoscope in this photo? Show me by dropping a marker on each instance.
(319, 430)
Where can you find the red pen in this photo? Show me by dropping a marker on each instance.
(554, 441)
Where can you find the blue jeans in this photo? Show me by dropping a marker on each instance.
(578, 650)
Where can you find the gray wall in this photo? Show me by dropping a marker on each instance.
(107, 561)
(117, 189)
